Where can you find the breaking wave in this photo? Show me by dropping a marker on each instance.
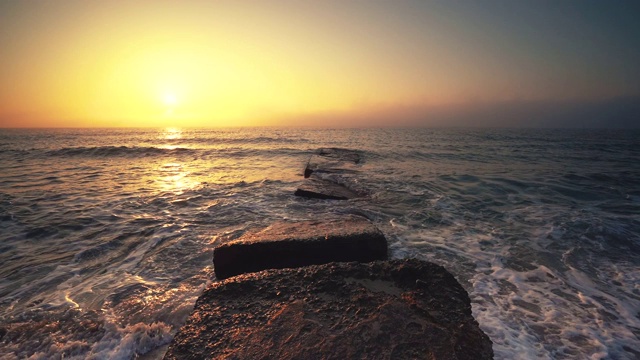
(115, 151)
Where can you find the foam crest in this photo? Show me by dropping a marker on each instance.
(130, 341)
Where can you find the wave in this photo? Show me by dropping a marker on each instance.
(221, 140)
(151, 151)
(114, 151)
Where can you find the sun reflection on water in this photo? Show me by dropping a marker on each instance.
(174, 138)
(171, 133)
(175, 178)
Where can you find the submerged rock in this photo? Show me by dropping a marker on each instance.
(401, 309)
(302, 243)
(346, 155)
(332, 160)
(323, 189)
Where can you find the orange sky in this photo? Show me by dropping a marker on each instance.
(236, 63)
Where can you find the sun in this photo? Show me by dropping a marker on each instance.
(170, 99)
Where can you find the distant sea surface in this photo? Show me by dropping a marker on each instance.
(106, 236)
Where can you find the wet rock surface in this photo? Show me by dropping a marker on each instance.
(400, 309)
(323, 189)
(301, 243)
(332, 160)
(329, 161)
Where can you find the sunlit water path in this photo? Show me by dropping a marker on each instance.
(106, 236)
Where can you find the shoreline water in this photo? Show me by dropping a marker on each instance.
(115, 229)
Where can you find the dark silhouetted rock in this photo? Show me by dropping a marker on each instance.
(323, 189)
(302, 243)
(332, 160)
(401, 309)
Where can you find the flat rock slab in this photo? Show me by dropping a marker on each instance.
(302, 243)
(323, 189)
(332, 160)
(346, 155)
(401, 309)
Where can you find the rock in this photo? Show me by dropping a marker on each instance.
(340, 154)
(401, 309)
(323, 189)
(321, 164)
(332, 160)
(307, 171)
(302, 243)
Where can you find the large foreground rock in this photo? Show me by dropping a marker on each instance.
(401, 309)
(323, 189)
(302, 243)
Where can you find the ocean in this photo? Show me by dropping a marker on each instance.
(107, 235)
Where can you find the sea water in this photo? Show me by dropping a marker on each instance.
(106, 236)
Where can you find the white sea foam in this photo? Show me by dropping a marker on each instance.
(530, 310)
(118, 343)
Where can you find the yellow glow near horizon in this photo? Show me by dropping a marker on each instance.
(170, 100)
(230, 63)
(112, 76)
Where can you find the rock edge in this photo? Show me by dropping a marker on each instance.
(301, 243)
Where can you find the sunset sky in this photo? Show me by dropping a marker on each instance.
(319, 63)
